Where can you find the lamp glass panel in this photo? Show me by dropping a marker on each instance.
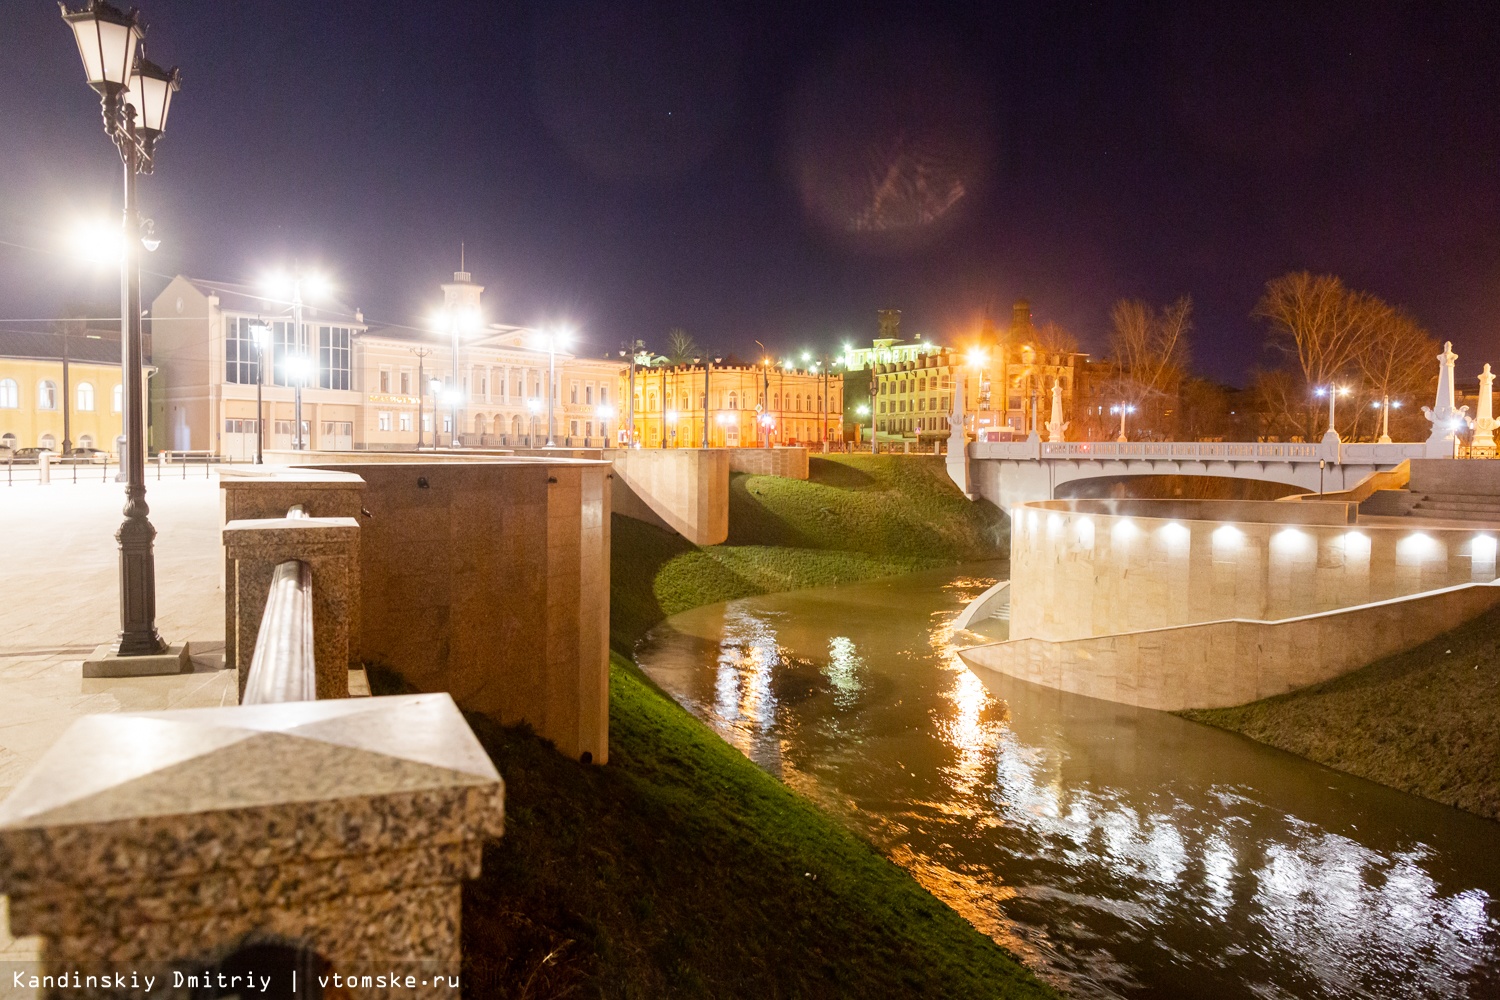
(117, 42)
(150, 96)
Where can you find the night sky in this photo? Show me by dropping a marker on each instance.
(781, 171)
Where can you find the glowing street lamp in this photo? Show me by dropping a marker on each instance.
(1385, 406)
(299, 367)
(552, 341)
(605, 413)
(1332, 392)
(865, 411)
(1122, 409)
(672, 418)
(135, 95)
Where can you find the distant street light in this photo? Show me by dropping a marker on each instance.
(135, 95)
(551, 341)
(299, 363)
(262, 334)
(866, 411)
(1122, 409)
(1332, 392)
(461, 322)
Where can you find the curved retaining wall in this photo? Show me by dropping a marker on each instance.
(1087, 568)
(1223, 663)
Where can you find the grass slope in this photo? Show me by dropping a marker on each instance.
(1426, 721)
(682, 870)
(856, 517)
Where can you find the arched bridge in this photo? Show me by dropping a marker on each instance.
(1015, 472)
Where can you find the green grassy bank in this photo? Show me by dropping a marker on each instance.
(681, 869)
(1426, 721)
(856, 517)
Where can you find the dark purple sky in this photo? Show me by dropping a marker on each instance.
(781, 171)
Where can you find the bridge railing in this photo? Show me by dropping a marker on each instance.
(1197, 451)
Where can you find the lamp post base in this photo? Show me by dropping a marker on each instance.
(107, 662)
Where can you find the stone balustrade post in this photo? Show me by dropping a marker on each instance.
(330, 547)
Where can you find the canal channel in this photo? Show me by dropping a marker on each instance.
(1120, 852)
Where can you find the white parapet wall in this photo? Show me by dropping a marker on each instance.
(1223, 663)
(685, 489)
(1082, 568)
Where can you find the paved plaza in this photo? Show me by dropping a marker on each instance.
(59, 599)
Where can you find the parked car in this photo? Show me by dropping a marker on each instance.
(27, 456)
(84, 456)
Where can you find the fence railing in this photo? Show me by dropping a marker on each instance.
(1199, 451)
(58, 469)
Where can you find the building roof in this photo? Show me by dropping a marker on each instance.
(93, 346)
(242, 298)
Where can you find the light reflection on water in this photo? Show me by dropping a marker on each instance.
(1122, 852)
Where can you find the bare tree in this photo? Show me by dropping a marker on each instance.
(1396, 364)
(682, 349)
(1150, 353)
(1325, 326)
(1051, 338)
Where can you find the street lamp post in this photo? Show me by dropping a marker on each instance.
(1332, 392)
(1385, 406)
(1122, 409)
(533, 406)
(262, 340)
(421, 353)
(865, 411)
(553, 340)
(136, 95)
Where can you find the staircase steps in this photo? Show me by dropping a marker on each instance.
(1437, 506)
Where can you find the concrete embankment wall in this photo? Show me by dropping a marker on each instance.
(788, 462)
(1095, 568)
(487, 579)
(684, 489)
(1223, 663)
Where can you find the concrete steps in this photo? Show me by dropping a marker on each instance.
(1437, 506)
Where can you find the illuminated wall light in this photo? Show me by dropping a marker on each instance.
(1054, 525)
(1031, 521)
(1124, 531)
(1174, 533)
(1227, 536)
(1288, 541)
(1483, 548)
(1356, 545)
(1417, 546)
(1085, 528)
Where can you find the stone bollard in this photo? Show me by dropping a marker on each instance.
(44, 467)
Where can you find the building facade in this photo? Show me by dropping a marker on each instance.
(743, 406)
(1007, 393)
(888, 348)
(60, 391)
(390, 389)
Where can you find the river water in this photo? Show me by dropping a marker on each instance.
(1121, 852)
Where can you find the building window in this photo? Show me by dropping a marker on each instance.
(85, 397)
(383, 419)
(734, 400)
(333, 357)
(10, 394)
(573, 396)
(427, 422)
(49, 442)
(603, 396)
(46, 395)
(573, 428)
(8, 440)
(405, 383)
(404, 421)
(385, 380)
(588, 428)
(119, 401)
(241, 355)
(588, 395)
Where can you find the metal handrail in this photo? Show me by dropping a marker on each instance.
(282, 668)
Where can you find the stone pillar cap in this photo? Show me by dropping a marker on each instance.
(135, 795)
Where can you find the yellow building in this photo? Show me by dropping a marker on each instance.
(45, 405)
(744, 406)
